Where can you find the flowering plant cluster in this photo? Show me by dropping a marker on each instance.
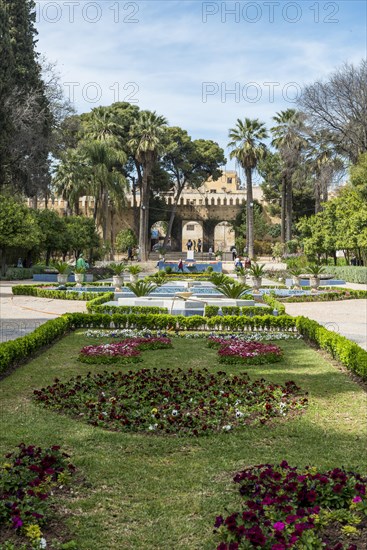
(240, 351)
(126, 351)
(286, 508)
(27, 480)
(170, 401)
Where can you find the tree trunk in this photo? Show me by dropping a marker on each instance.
(283, 208)
(144, 214)
(249, 214)
(172, 216)
(105, 215)
(289, 210)
(2, 262)
(317, 195)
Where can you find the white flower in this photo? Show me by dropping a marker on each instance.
(42, 543)
(104, 413)
(174, 412)
(151, 427)
(239, 414)
(227, 427)
(238, 402)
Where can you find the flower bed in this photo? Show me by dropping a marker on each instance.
(27, 480)
(235, 350)
(122, 352)
(286, 508)
(166, 401)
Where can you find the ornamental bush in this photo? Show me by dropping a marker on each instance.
(170, 401)
(287, 507)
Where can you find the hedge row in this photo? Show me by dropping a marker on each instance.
(17, 351)
(98, 302)
(350, 273)
(125, 309)
(179, 322)
(41, 292)
(211, 311)
(345, 294)
(348, 353)
(274, 303)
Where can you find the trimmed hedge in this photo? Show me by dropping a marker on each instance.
(126, 309)
(179, 322)
(96, 303)
(16, 351)
(349, 273)
(274, 303)
(250, 311)
(348, 353)
(41, 292)
(344, 294)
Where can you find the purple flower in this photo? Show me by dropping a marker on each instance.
(357, 499)
(279, 526)
(17, 522)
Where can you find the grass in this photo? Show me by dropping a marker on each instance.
(152, 492)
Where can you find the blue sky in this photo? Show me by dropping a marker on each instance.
(182, 58)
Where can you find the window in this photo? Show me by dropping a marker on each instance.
(190, 227)
(229, 180)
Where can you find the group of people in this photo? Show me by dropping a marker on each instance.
(197, 246)
(245, 263)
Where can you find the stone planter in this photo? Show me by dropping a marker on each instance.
(117, 281)
(62, 278)
(79, 278)
(256, 283)
(314, 283)
(133, 278)
(242, 279)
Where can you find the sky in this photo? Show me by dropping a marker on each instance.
(201, 64)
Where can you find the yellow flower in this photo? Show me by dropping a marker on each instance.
(312, 470)
(6, 466)
(349, 530)
(154, 411)
(33, 532)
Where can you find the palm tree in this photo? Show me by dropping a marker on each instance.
(71, 179)
(105, 181)
(324, 163)
(247, 148)
(289, 141)
(146, 142)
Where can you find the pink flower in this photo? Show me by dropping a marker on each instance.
(279, 526)
(357, 499)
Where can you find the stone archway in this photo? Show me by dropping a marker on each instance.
(191, 230)
(224, 236)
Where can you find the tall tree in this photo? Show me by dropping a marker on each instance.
(29, 114)
(146, 142)
(248, 148)
(289, 141)
(338, 106)
(324, 164)
(189, 164)
(7, 66)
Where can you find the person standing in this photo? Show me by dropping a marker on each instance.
(180, 265)
(199, 245)
(129, 253)
(234, 253)
(189, 244)
(81, 263)
(210, 253)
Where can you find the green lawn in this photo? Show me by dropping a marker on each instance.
(153, 492)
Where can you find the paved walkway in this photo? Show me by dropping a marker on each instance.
(20, 315)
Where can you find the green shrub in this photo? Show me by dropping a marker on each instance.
(127, 309)
(345, 294)
(96, 303)
(274, 303)
(18, 273)
(350, 273)
(211, 311)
